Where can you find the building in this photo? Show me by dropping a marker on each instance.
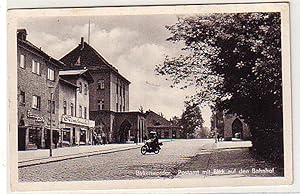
(75, 126)
(230, 126)
(163, 127)
(37, 80)
(109, 96)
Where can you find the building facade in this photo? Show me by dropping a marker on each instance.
(37, 80)
(109, 96)
(230, 126)
(163, 127)
(75, 126)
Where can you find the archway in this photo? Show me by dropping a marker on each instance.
(237, 129)
(124, 131)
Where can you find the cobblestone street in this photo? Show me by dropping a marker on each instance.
(175, 158)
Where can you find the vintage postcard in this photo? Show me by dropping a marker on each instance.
(149, 97)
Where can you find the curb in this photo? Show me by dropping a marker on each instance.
(73, 156)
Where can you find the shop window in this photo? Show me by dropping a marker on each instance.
(66, 135)
(36, 67)
(82, 135)
(36, 102)
(22, 61)
(50, 75)
(32, 135)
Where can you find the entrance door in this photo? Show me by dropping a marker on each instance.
(124, 131)
(21, 138)
(237, 129)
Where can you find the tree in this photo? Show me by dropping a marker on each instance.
(191, 119)
(234, 63)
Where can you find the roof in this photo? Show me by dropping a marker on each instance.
(72, 72)
(155, 120)
(84, 55)
(32, 47)
(78, 73)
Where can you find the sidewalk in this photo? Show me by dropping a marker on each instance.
(41, 156)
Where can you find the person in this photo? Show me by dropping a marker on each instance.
(99, 139)
(104, 138)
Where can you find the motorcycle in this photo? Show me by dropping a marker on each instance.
(150, 148)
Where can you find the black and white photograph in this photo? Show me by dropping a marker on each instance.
(168, 94)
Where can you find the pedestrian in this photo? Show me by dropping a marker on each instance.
(103, 138)
(99, 139)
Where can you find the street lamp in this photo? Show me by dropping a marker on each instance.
(51, 132)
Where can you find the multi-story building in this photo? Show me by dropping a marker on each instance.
(74, 123)
(109, 96)
(37, 80)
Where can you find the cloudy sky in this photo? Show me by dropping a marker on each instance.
(133, 44)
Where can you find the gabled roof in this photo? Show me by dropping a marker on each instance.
(28, 45)
(154, 119)
(84, 55)
(77, 73)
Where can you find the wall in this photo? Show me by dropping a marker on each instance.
(33, 84)
(96, 94)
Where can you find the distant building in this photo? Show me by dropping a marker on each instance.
(230, 126)
(37, 79)
(163, 127)
(109, 96)
(74, 123)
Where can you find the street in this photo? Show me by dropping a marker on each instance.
(177, 159)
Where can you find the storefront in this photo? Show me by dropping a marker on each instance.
(76, 131)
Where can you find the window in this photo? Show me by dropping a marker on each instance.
(51, 106)
(80, 87)
(22, 61)
(50, 75)
(72, 109)
(85, 89)
(36, 67)
(22, 98)
(101, 84)
(36, 102)
(101, 104)
(84, 114)
(80, 111)
(65, 107)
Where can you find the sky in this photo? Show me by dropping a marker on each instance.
(132, 44)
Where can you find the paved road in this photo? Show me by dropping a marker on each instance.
(176, 159)
(120, 165)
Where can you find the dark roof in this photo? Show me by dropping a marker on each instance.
(77, 73)
(154, 119)
(28, 45)
(85, 55)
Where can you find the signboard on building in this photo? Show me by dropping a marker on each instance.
(77, 121)
(36, 118)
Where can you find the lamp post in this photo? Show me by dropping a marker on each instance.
(51, 132)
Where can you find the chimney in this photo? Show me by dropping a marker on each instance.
(21, 34)
(82, 43)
